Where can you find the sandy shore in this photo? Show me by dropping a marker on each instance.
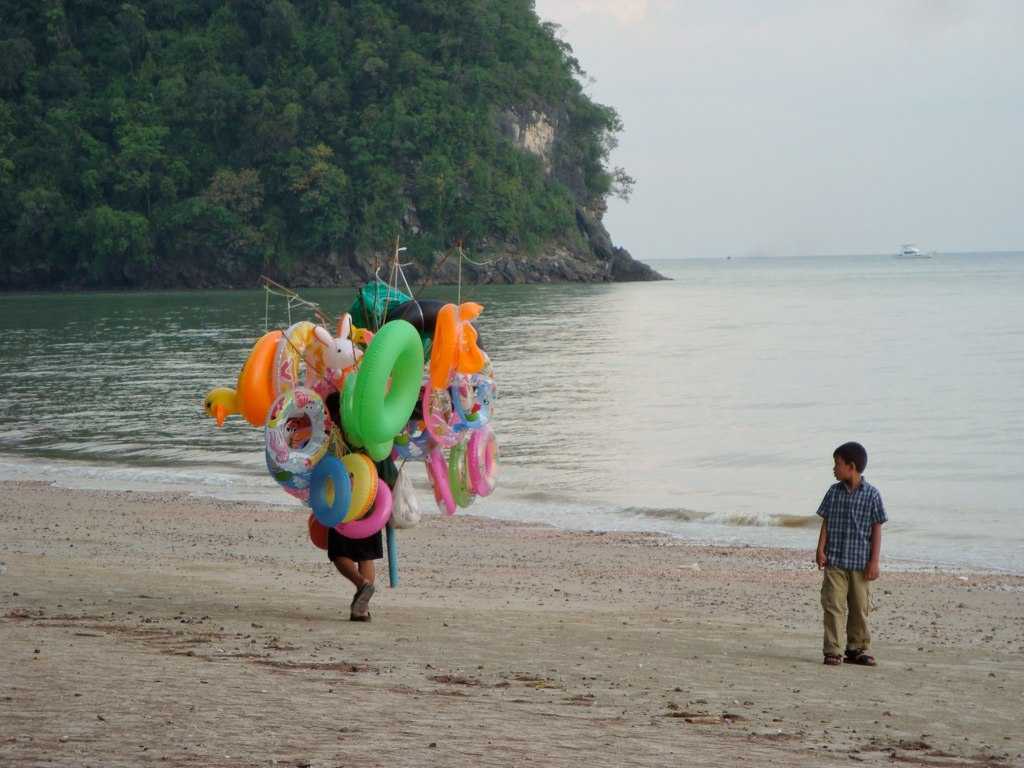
(139, 629)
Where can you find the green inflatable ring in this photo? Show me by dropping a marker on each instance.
(458, 476)
(349, 414)
(380, 451)
(395, 353)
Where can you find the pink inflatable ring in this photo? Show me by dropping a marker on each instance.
(373, 522)
(482, 458)
(437, 471)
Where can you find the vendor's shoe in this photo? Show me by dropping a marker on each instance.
(361, 601)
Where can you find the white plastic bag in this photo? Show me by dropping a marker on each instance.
(405, 507)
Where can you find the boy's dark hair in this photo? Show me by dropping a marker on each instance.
(852, 453)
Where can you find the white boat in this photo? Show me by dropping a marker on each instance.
(911, 251)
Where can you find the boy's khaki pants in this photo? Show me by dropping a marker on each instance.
(842, 589)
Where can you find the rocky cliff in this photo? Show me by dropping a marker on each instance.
(162, 143)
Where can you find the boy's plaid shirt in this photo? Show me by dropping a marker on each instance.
(848, 519)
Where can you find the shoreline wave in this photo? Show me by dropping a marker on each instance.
(780, 531)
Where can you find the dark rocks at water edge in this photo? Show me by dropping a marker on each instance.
(592, 258)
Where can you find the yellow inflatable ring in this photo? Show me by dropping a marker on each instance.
(292, 349)
(255, 387)
(364, 484)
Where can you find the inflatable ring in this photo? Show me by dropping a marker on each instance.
(254, 390)
(437, 471)
(439, 417)
(364, 485)
(380, 451)
(350, 422)
(472, 399)
(349, 417)
(444, 346)
(458, 476)
(482, 461)
(413, 443)
(293, 483)
(372, 523)
(420, 313)
(330, 491)
(296, 404)
(290, 353)
(317, 533)
(396, 353)
(469, 358)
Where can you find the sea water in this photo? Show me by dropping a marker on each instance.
(706, 407)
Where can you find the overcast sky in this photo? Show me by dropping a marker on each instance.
(778, 127)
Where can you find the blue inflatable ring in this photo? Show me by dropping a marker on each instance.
(329, 511)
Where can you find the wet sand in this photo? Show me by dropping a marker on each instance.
(160, 629)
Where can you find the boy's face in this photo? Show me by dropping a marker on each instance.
(844, 472)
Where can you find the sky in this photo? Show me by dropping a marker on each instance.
(791, 128)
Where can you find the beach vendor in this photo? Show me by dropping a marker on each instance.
(849, 546)
(354, 558)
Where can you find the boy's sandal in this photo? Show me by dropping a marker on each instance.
(860, 657)
(833, 660)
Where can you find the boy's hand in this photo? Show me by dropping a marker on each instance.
(821, 560)
(872, 571)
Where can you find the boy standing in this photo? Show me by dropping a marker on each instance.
(848, 550)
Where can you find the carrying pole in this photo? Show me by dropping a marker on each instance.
(392, 556)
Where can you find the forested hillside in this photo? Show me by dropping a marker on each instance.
(151, 142)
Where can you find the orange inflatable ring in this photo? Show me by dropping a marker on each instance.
(444, 346)
(255, 387)
(317, 533)
(469, 358)
(454, 345)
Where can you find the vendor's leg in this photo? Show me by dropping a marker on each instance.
(834, 587)
(858, 635)
(361, 600)
(351, 571)
(366, 570)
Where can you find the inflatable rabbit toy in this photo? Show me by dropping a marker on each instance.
(339, 353)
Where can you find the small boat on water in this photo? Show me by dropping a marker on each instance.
(911, 251)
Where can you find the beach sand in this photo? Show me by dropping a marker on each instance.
(145, 629)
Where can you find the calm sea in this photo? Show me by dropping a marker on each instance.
(706, 407)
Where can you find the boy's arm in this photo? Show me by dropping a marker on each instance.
(823, 510)
(872, 571)
(820, 558)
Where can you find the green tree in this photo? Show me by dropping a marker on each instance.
(321, 190)
(17, 58)
(139, 162)
(142, 133)
(114, 240)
